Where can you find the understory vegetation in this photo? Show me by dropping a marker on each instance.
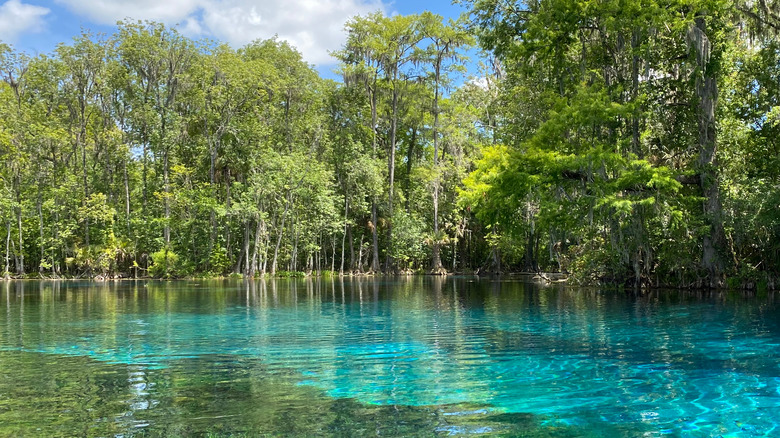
(629, 142)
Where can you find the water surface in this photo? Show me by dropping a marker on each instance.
(391, 357)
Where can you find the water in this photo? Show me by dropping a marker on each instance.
(390, 357)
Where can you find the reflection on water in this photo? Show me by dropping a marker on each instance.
(446, 356)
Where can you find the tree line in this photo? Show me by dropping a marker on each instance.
(638, 139)
(625, 142)
(149, 153)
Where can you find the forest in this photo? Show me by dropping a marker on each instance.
(625, 142)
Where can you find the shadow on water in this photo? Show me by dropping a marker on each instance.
(49, 395)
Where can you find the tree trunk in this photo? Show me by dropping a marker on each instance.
(167, 204)
(127, 196)
(295, 231)
(20, 265)
(391, 170)
(319, 254)
(7, 272)
(279, 237)
(375, 238)
(351, 248)
(530, 263)
(333, 254)
(454, 255)
(635, 92)
(409, 159)
(228, 240)
(245, 255)
(55, 231)
(707, 93)
(20, 258)
(144, 172)
(253, 266)
(344, 235)
(86, 196)
(40, 228)
(109, 172)
(264, 254)
(213, 146)
(436, 266)
(374, 215)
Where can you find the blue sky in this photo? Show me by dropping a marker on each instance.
(313, 26)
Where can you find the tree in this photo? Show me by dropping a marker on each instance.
(157, 59)
(445, 41)
(363, 65)
(400, 37)
(594, 107)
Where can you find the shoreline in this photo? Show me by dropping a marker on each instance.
(540, 278)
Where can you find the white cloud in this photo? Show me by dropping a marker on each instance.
(313, 26)
(480, 82)
(111, 11)
(17, 18)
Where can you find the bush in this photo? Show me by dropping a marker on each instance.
(165, 264)
(408, 247)
(219, 264)
(290, 274)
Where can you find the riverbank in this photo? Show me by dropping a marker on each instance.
(542, 278)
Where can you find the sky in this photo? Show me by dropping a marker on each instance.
(313, 26)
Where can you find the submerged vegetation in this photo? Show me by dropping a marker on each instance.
(628, 142)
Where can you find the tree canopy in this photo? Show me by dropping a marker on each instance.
(628, 142)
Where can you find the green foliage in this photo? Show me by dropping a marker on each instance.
(165, 264)
(408, 246)
(290, 274)
(620, 141)
(609, 156)
(219, 262)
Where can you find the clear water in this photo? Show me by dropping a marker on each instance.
(390, 357)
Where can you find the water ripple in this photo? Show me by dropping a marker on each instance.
(663, 365)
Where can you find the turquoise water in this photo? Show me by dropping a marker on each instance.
(428, 356)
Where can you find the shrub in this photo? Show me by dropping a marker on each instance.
(165, 264)
(219, 264)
